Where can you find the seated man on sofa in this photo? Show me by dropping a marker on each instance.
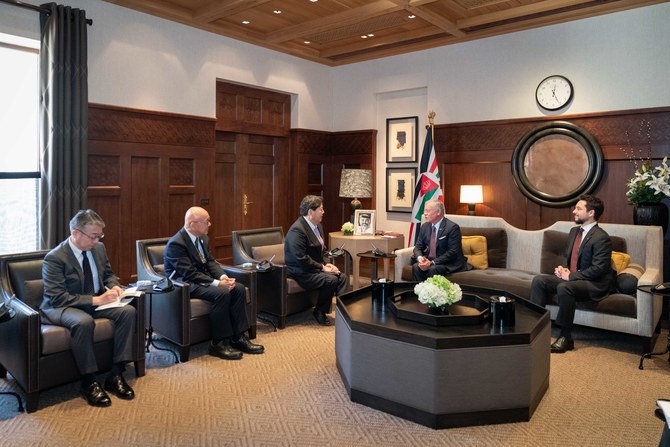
(438, 249)
(588, 273)
(303, 249)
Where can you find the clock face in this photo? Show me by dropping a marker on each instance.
(554, 92)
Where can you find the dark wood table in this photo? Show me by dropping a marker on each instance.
(443, 376)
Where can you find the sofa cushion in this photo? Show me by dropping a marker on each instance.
(265, 252)
(474, 248)
(33, 293)
(516, 282)
(627, 279)
(620, 261)
(496, 244)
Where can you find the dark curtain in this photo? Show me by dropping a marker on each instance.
(64, 120)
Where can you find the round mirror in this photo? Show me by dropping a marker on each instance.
(556, 163)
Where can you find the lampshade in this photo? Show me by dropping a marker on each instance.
(356, 183)
(472, 194)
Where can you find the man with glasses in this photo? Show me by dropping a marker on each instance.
(78, 278)
(188, 258)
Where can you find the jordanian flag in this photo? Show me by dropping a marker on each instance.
(427, 186)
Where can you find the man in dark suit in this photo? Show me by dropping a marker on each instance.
(588, 275)
(438, 249)
(303, 252)
(78, 278)
(187, 256)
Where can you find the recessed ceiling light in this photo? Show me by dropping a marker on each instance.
(313, 1)
(411, 16)
(246, 22)
(276, 11)
(371, 35)
(364, 37)
(307, 42)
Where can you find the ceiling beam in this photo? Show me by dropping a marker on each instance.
(398, 39)
(437, 20)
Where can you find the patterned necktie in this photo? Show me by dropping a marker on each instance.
(201, 251)
(318, 236)
(575, 251)
(88, 275)
(433, 243)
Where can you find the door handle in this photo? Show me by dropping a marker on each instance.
(244, 204)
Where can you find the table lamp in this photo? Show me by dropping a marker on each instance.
(356, 184)
(472, 194)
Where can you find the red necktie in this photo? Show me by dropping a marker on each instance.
(433, 242)
(575, 251)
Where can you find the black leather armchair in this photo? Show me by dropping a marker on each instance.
(178, 317)
(37, 354)
(278, 294)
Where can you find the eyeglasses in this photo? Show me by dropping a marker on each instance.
(92, 237)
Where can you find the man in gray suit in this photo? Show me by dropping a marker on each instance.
(78, 278)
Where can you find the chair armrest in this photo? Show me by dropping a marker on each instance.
(403, 258)
(249, 280)
(649, 306)
(20, 346)
(139, 303)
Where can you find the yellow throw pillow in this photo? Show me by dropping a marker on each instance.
(474, 248)
(620, 261)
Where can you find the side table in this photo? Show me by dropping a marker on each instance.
(373, 258)
(150, 292)
(665, 293)
(6, 314)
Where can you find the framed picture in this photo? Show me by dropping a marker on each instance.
(401, 137)
(364, 222)
(400, 189)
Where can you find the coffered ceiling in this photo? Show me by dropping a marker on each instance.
(338, 32)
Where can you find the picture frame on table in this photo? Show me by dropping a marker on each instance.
(400, 184)
(401, 139)
(364, 222)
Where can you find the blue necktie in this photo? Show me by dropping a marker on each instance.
(88, 275)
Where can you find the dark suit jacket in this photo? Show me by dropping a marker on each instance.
(64, 280)
(303, 252)
(449, 248)
(182, 257)
(595, 260)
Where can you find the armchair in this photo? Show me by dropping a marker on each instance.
(38, 354)
(278, 294)
(178, 317)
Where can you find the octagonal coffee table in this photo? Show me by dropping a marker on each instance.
(443, 376)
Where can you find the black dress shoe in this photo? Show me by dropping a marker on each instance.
(95, 395)
(321, 318)
(118, 386)
(562, 344)
(224, 350)
(245, 345)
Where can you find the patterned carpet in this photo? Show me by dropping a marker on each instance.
(293, 396)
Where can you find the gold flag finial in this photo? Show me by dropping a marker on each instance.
(431, 118)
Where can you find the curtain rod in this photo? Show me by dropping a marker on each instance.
(34, 8)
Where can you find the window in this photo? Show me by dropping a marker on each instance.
(19, 144)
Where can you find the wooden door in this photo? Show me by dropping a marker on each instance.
(248, 184)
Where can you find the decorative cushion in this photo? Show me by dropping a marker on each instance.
(627, 279)
(496, 244)
(474, 248)
(620, 261)
(265, 252)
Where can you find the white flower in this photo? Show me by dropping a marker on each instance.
(438, 291)
(347, 227)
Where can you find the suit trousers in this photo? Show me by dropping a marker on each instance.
(420, 275)
(327, 283)
(228, 314)
(567, 292)
(82, 324)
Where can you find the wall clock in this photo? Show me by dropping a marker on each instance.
(554, 92)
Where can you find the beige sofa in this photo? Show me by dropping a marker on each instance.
(525, 254)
